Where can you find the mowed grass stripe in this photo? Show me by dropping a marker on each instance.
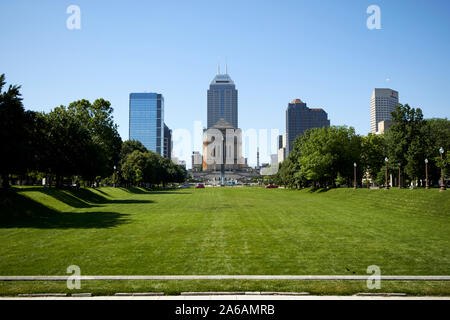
(230, 231)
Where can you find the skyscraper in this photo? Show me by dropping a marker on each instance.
(222, 101)
(257, 158)
(197, 161)
(382, 103)
(282, 145)
(167, 142)
(300, 118)
(146, 120)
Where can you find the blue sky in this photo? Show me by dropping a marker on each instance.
(318, 51)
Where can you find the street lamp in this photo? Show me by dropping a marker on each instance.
(386, 186)
(399, 185)
(427, 186)
(222, 167)
(354, 175)
(114, 176)
(441, 151)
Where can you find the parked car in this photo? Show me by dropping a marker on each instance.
(271, 186)
(200, 186)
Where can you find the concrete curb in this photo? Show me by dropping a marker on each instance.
(239, 293)
(288, 293)
(206, 293)
(138, 294)
(42, 295)
(80, 295)
(378, 294)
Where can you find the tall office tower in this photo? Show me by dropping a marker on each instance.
(146, 120)
(167, 142)
(282, 148)
(197, 161)
(300, 118)
(222, 101)
(257, 158)
(382, 103)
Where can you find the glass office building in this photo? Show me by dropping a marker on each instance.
(167, 142)
(222, 101)
(146, 116)
(300, 118)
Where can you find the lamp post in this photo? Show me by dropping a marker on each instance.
(427, 186)
(399, 185)
(386, 186)
(354, 175)
(222, 167)
(441, 151)
(114, 176)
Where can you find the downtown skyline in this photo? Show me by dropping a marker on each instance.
(333, 62)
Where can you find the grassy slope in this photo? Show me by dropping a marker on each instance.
(226, 231)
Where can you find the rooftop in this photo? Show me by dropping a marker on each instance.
(223, 124)
(222, 79)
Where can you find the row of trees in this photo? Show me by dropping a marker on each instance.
(325, 157)
(138, 166)
(79, 142)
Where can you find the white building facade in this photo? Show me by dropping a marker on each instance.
(382, 103)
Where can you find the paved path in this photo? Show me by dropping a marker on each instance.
(226, 277)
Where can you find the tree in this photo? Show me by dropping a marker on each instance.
(137, 167)
(180, 174)
(73, 151)
(293, 175)
(167, 170)
(98, 119)
(268, 180)
(12, 132)
(40, 150)
(436, 133)
(373, 152)
(325, 152)
(128, 147)
(150, 168)
(340, 180)
(405, 142)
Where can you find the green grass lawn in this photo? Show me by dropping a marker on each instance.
(253, 231)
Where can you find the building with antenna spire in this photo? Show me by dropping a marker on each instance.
(222, 100)
(222, 161)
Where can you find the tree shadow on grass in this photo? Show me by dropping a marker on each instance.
(88, 196)
(74, 198)
(137, 190)
(319, 190)
(81, 198)
(92, 197)
(134, 190)
(67, 220)
(18, 211)
(130, 201)
(102, 192)
(62, 195)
